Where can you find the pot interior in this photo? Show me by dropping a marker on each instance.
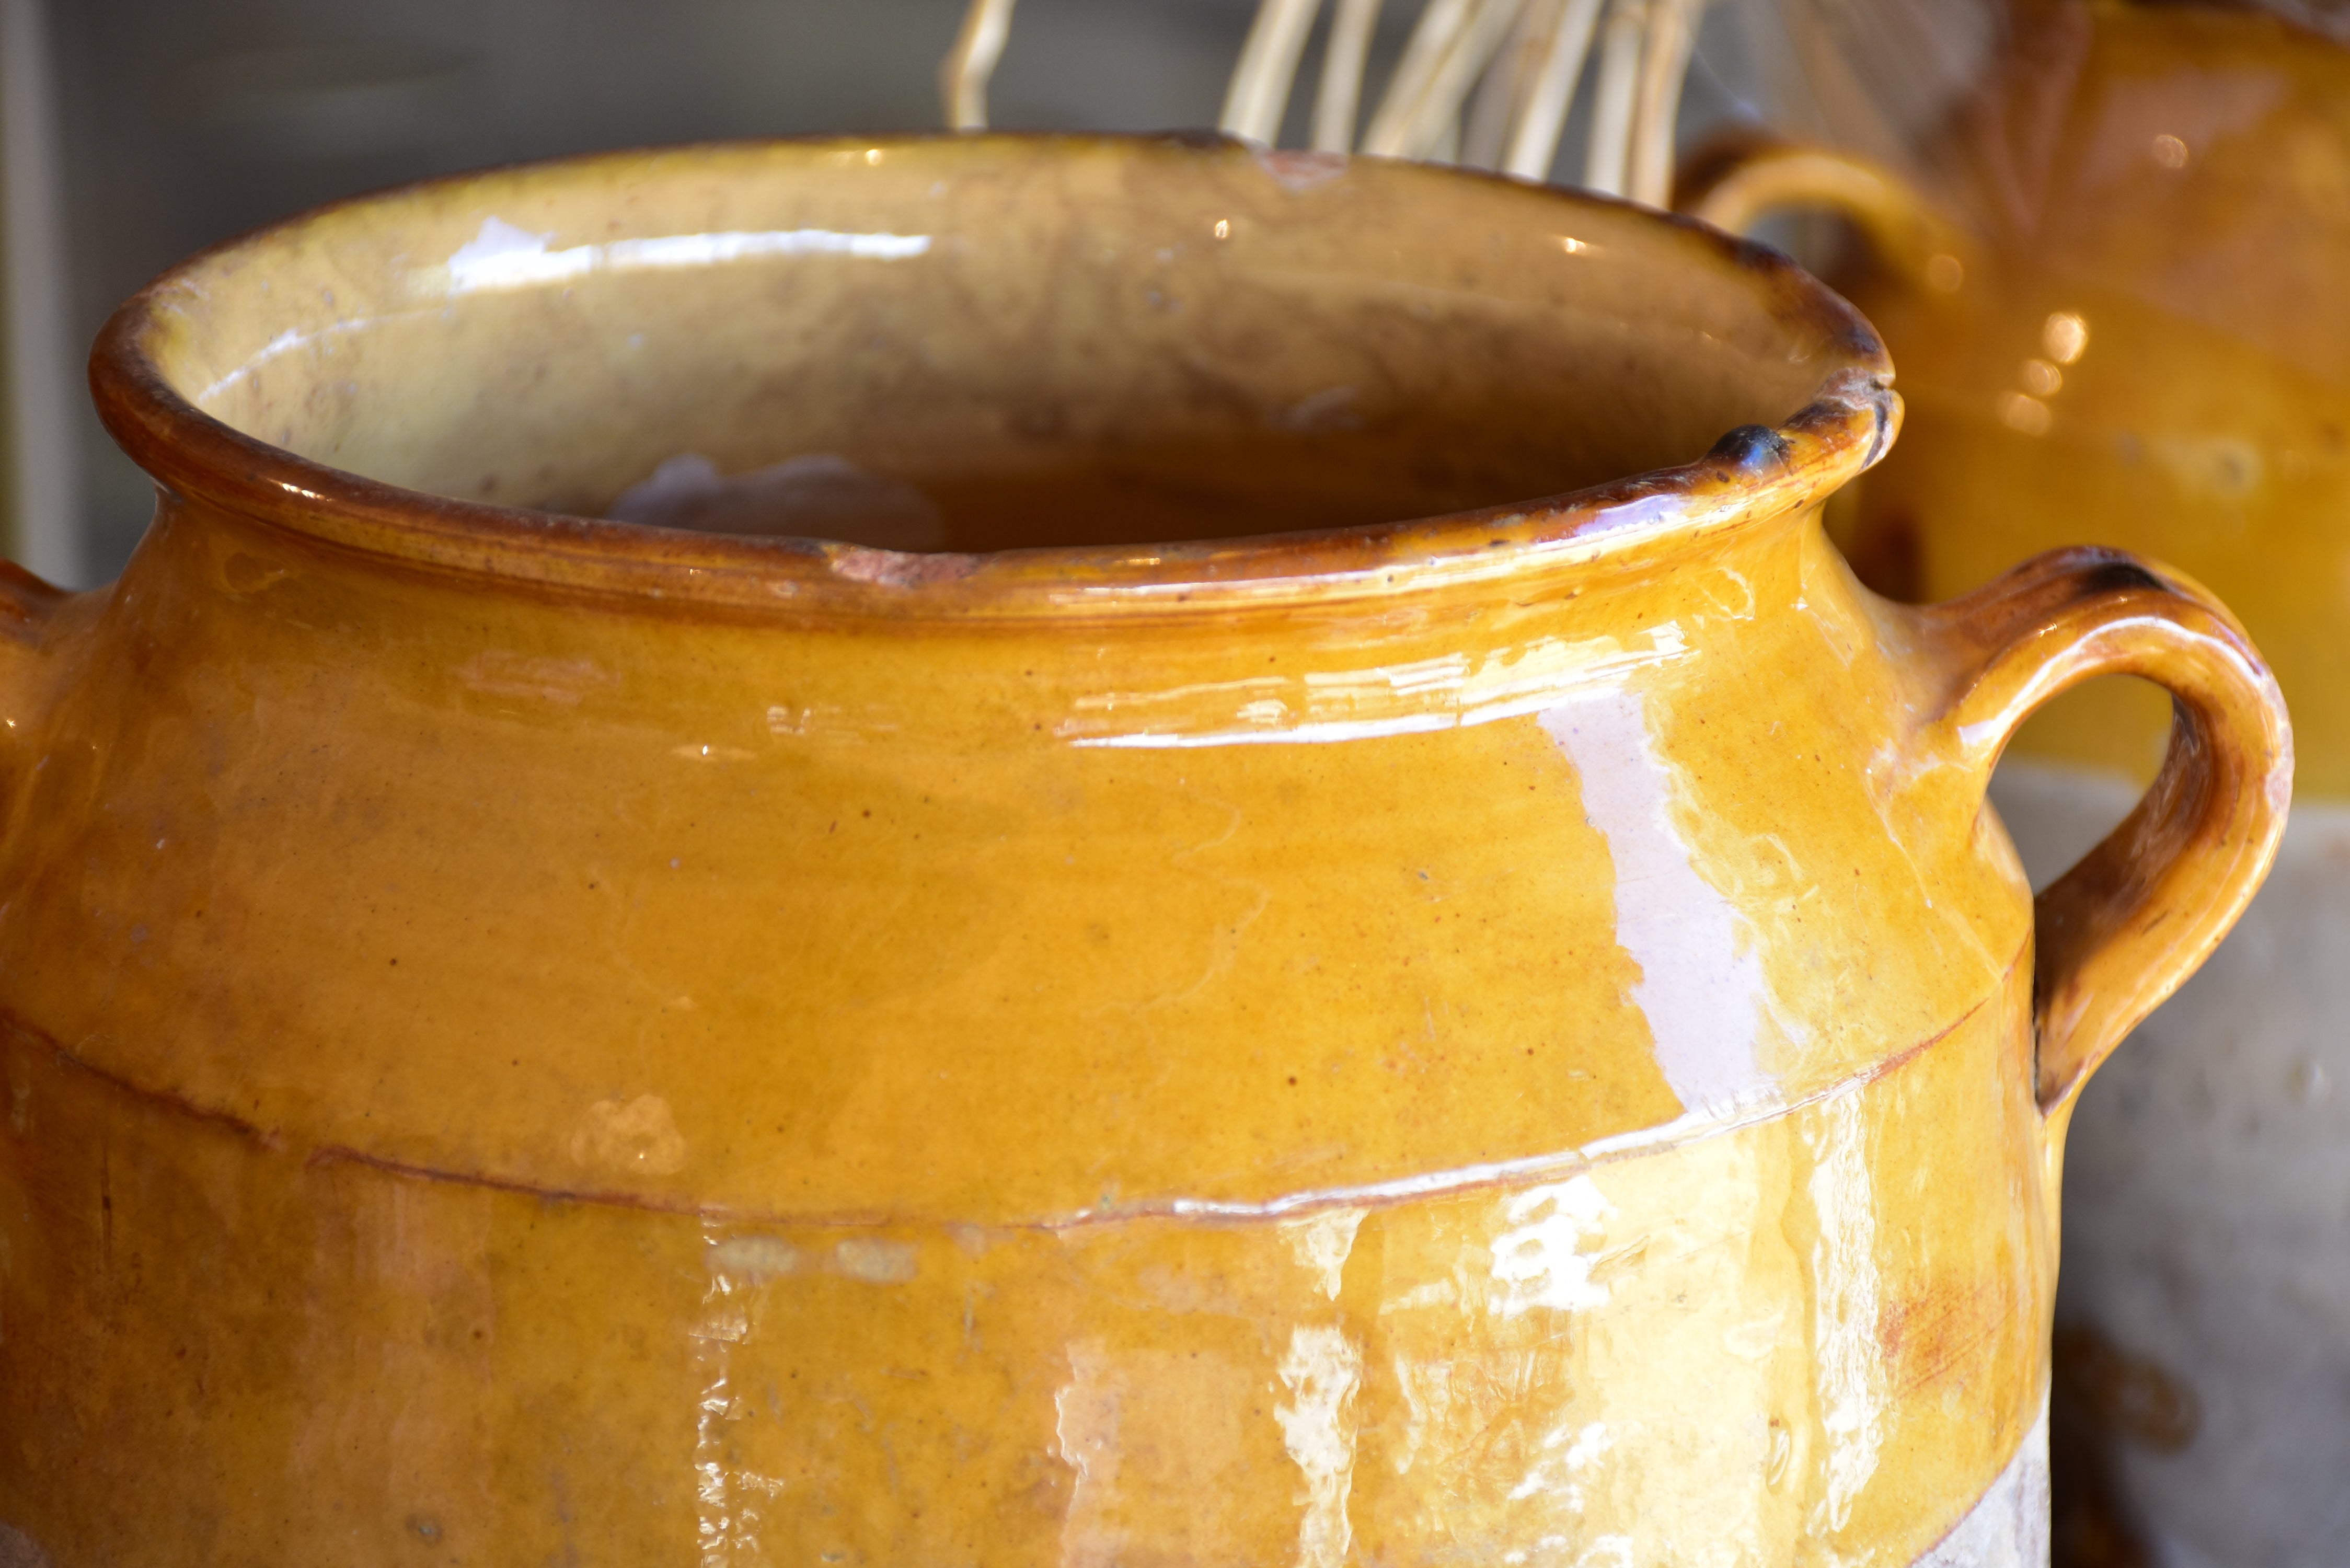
(983, 343)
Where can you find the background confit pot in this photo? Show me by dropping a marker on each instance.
(2147, 344)
(1508, 1037)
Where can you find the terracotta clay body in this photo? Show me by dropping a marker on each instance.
(1502, 1037)
(2149, 210)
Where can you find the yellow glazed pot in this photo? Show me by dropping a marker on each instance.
(2137, 333)
(1503, 1037)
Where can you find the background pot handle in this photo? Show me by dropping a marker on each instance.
(1736, 181)
(2121, 930)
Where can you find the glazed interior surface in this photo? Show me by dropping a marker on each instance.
(1052, 342)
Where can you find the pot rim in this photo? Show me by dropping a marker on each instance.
(1752, 472)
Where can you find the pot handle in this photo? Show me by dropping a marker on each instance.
(1734, 181)
(2121, 930)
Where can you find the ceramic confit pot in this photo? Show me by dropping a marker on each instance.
(1503, 1037)
(2121, 318)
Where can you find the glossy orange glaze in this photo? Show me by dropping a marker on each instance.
(1509, 1032)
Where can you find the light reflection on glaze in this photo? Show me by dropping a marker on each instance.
(1702, 984)
(638, 1134)
(1426, 1390)
(729, 1497)
(1530, 1403)
(1623, 525)
(1322, 1241)
(1568, 1451)
(1850, 1365)
(504, 256)
(722, 1532)
(1541, 1261)
(1124, 1390)
(1085, 1420)
(1607, 1318)
(1682, 1130)
(1672, 1247)
(1527, 1403)
(285, 343)
(1320, 1373)
(1150, 1436)
(2008, 1527)
(1321, 706)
